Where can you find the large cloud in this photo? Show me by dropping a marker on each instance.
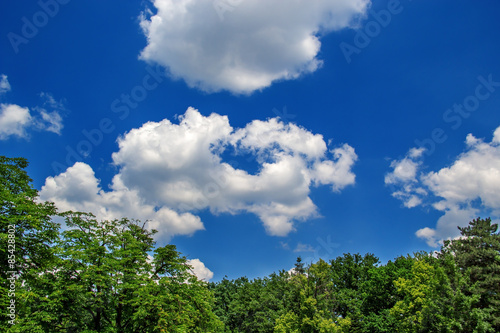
(167, 172)
(15, 120)
(462, 191)
(242, 45)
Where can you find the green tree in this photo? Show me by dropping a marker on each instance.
(27, 232)
(432, 299)
(380, 294)
(224, 292)
(477, 254)
(467, 315)
(426, 305)
(97, 276)
(299, 267)
(348, 274)
(307, 308)
(251, 306)
(105, 281)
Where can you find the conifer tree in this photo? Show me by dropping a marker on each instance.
(477, 253)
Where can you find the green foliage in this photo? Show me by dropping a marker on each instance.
(27, 232)
(34, 230)
(477, 256)
(104, 281)
(108, 276)
(299, 266)
(354, 293)
(251, 306)
(308, 309)
(97, 276)
(380, 294)
(426, 295)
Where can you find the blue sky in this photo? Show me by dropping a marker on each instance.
(253, 132)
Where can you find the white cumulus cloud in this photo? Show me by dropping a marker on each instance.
(200, 270)
(462, 191)
(242, 46)
(13, 120)
(78, 189)
(168, 172)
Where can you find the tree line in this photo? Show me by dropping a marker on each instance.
(109, 276)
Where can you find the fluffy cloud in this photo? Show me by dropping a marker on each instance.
(13, 120)
(78, 189)
(463, 190)
(169, 171)
(242, 46)
(16, 120)
(199, 269)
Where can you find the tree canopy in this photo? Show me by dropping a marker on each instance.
(109, 276)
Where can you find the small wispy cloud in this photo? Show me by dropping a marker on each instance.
(16, 120)
(285, 245)
(50, 118)
(301, 247)
(4, 84)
